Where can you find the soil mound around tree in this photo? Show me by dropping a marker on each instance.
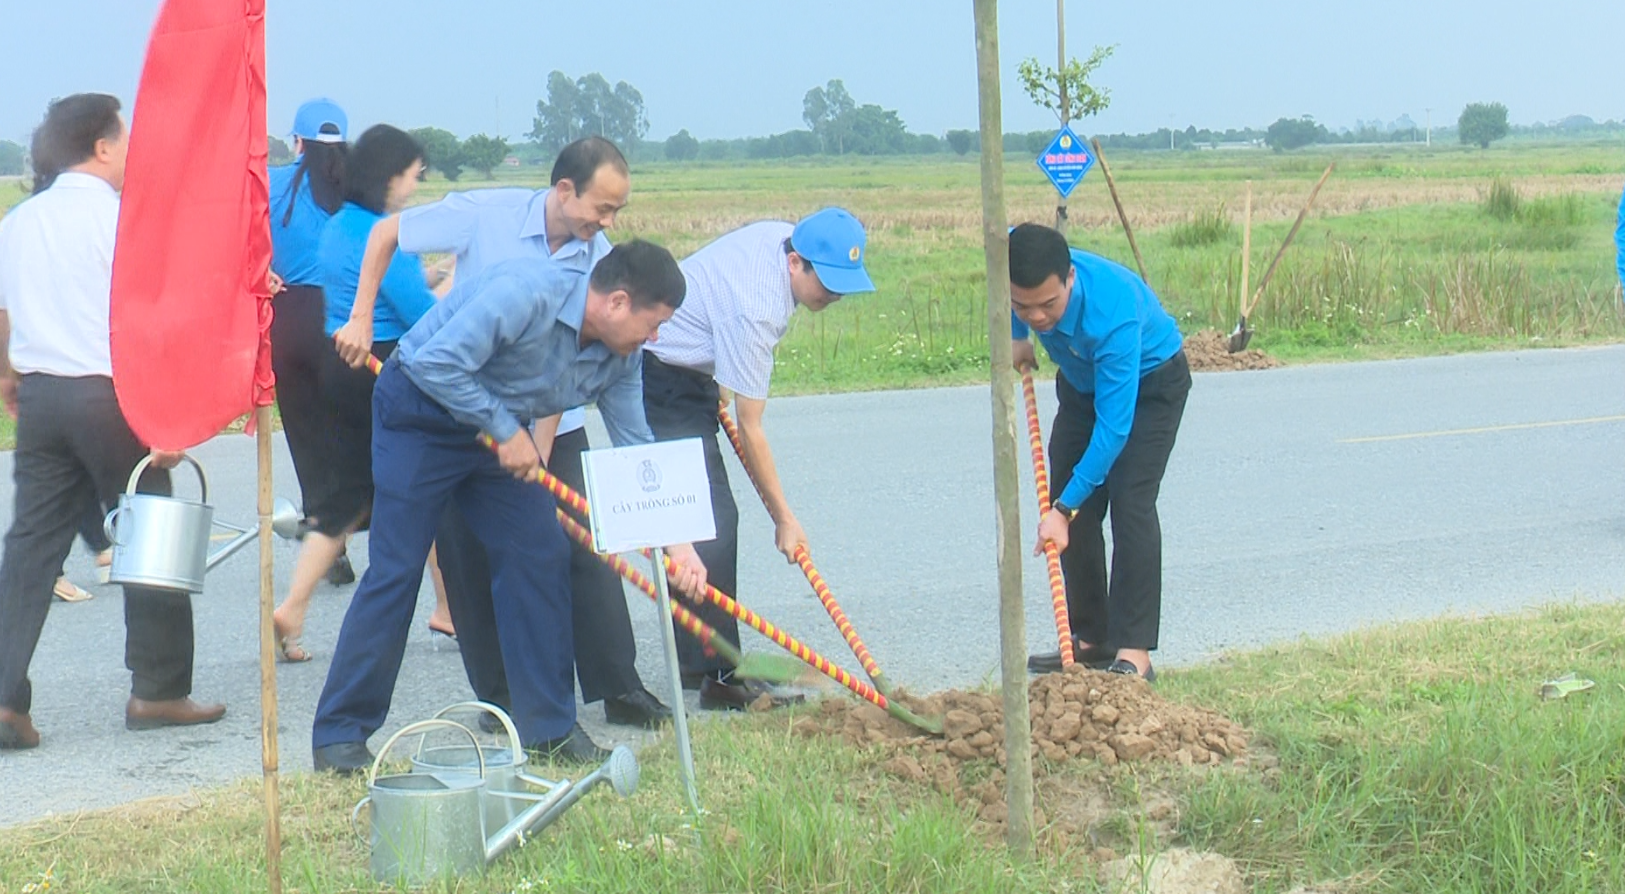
(1079, 715)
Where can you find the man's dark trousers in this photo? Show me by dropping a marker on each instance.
(1126, 614)
(74, 448)
(682, 403)
(606, 653)
(422, 459)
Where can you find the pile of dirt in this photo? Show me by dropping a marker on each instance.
(1081, 714)
(1209, 351)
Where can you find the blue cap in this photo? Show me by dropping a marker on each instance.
(833, 241)
(317, 114)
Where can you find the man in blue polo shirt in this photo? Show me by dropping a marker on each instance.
(1122, 386)
(1619, 241)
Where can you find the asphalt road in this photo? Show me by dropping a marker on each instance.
(1282, 518)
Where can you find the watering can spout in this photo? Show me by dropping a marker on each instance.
(284, 521)
(620, 771)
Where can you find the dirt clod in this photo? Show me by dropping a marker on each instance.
(1209, 351)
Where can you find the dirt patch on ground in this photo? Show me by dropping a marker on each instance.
(1209, 351)
(1081, 715)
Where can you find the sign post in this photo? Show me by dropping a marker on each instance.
(650, 497)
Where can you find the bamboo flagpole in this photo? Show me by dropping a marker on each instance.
(1006, 485)
(269, 759)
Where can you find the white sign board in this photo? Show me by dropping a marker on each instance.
(649, 496)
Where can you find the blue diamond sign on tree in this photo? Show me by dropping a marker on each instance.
(1066, 161)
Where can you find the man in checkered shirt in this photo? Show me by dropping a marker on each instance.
(742, 289)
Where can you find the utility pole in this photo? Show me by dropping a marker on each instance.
(1060, 83)
(1018, 734)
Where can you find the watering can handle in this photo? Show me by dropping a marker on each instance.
(355, 816)
(110, 525)
(135, 475)
(498, 713)
(423, 726)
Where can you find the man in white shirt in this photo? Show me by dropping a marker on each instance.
(742, 289)
(564, 224)
(73, 444)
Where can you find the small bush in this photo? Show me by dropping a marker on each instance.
(1503, 200)
(1204, 228)
(1566, 210)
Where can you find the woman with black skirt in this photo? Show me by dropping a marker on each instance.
(304, 196)
(382, 173)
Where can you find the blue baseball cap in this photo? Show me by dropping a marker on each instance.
(832, 240)
(321, 121)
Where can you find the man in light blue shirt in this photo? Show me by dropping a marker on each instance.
(1122, 386)
(526, 339)
(564, 224)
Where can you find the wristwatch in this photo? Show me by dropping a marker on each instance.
(1069, 513)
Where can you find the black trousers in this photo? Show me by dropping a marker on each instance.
(345, 444)
(606, 653)
(682, 403)
(1127, 613)
(298, 347)
(74, 447)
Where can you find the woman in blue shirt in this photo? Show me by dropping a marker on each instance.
(304, 196)
(382, 174)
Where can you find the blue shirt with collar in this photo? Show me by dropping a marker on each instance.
(505, 348)
(1619, 240)
(487, 226)
(403, 296)
(1113, 332)
(294, 244)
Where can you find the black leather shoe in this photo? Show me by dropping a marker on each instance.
(1090, 656)
(576, 748)
(636, 708)
(344, 758)
(737, 695)
(1126, 668)
(342, 574)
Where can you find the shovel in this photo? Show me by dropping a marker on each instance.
(1243, 335)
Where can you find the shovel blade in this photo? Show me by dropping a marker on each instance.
(1240, 337)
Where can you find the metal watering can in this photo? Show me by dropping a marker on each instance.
(163, 542)
(427, 826)
(505, 780)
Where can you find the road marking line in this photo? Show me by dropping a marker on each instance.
(1487, 429)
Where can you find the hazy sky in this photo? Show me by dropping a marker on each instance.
(729, 68)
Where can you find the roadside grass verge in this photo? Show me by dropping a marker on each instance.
(1420, 757)
(1411, 757)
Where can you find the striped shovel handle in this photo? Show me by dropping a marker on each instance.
(687, 619)
(816, 580)
(1052, 556)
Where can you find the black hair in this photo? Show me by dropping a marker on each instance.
(322, 164)
(1038, 252)
(382, 154)
(580, 161)
(68, 135)
(805, 264)
(646, 271)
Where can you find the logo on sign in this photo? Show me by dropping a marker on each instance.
(1066, 141)
(649, 476)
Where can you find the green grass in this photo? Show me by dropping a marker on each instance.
(1406, 758)
(1420, 758)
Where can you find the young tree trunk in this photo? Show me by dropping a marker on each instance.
(1006, 485)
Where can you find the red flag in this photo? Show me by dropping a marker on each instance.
(190, 309)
